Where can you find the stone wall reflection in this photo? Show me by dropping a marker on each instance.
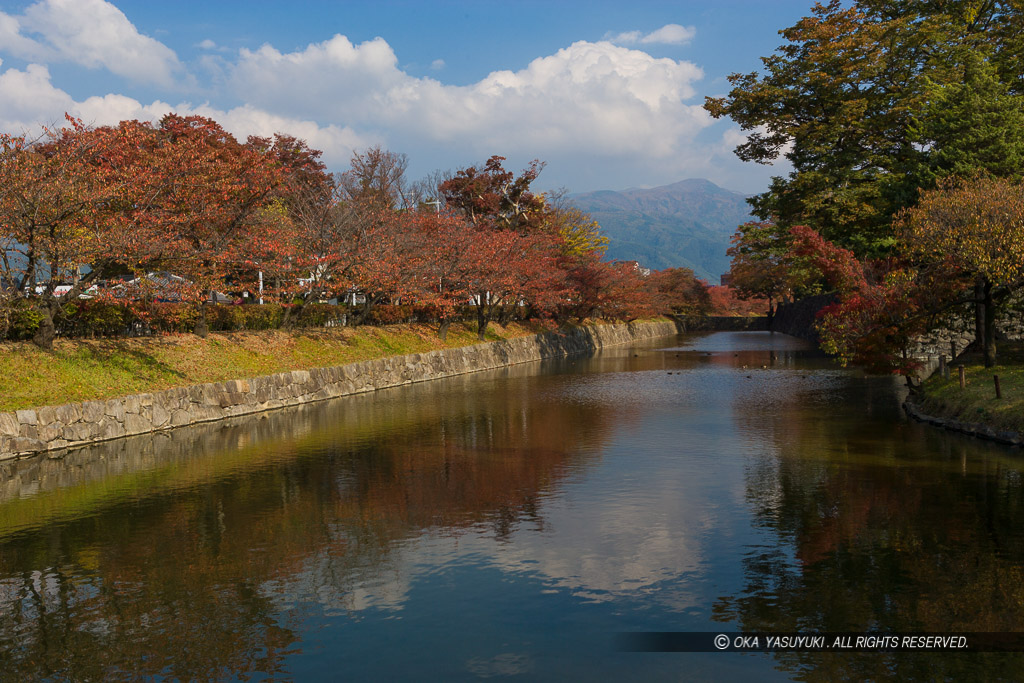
(163, 555)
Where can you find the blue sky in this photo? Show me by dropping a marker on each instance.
(609, 94)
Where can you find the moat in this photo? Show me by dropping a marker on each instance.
(510, 524)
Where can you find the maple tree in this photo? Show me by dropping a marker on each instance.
(765, 267)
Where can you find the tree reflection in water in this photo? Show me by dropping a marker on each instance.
(167, 556)
(889, 527)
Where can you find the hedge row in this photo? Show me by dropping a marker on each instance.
(87, 318)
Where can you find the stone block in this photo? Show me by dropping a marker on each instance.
(161, 416)
(50, 431)
(22, 444)
(114, 408)
(69, 412)
(9, 425)
(111, 428)
(81, 431)
(195, 393)
(92, 411)
(27, 417)
(180, 418)
(132, 404)
(46, 416)
(136, 424)
(28, 431)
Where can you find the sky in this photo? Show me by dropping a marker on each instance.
(608, 94)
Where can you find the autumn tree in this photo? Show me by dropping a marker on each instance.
(974, 230)
(679, 291)
(494, 194)
(579, 232)
(764, 266)
(377, 177)
(200, 196)
(53, 208)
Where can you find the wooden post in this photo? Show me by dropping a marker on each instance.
(963, 378)
(952, 350)
(999, 391)
(942, 366)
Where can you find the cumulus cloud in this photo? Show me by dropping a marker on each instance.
(29, 99)
(589, 96)
(669, 34)
(92, 33)
(588, 106)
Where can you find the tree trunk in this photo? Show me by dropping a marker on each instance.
(979, 314)
(202, 328)
(990, 326)
(46, 331)
(442, 332)
(483, 320)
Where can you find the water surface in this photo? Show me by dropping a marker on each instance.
(509, 524)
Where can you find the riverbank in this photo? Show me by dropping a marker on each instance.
(90, 370)
(975, 409)
(75, 424)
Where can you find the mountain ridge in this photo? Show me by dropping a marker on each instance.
(683, 224)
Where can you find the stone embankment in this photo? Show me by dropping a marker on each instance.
(721, 323)
(58, 428)
(978, 429)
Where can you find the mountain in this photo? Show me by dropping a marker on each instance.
(687, 224)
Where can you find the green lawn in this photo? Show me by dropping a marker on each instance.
(85, 370)
(977, 401)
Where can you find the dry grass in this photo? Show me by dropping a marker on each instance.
(83, 370)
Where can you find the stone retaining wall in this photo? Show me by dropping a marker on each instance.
(56, 428)
(721, 323)
(978, 429)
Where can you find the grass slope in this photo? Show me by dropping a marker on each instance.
(977, 401)
(83, 370)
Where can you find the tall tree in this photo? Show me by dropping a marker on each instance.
(377, 177)
(494, 194)
(841, 101)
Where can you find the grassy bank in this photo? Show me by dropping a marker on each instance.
(977, 401)
(83, 370)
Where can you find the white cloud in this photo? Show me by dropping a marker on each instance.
(669, 34)
(437, 64)
(207, 45)
(29, 99)
(596, 97)
(92, 33)
(593, 109)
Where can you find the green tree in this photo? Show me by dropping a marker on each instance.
(843, 98)
(971, 124)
